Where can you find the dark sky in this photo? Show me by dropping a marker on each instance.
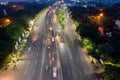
(17, 0)
(25, 0)
(52, 0)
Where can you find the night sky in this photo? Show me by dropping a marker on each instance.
(56, 0)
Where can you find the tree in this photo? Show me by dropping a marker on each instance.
(111, 72)
(87, 30)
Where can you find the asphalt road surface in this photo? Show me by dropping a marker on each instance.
(53, 54)
(74, 62)
(40, 54)
(31, 63)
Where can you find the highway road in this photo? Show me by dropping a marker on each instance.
(53, 54)
(31, 63)
(74, 62)
(40, 60)
(82, 65)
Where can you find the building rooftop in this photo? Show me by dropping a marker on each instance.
(117, 23)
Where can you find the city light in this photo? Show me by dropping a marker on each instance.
(101, 14)
(101, 30)
(14, 6)
(99, 17)
(6, 21)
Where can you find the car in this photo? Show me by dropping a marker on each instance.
(53, 58)
(49, 42)
(53, 39)
(34, 38)
(49, 47)
(48, 39)
(50, 28)
(54, 72)
(33, 42)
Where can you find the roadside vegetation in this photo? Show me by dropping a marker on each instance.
(60, 17)
(90, 23)
(20, 15)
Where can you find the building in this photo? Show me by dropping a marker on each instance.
(117, 23)
(114, 39)
(116, 29)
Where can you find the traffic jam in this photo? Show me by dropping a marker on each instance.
(52, 39)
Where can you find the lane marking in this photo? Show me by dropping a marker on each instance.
(29, 48)
(43, 59)
(35, 62)
(37, 54)
(25, 71)
(33, 72)
(68, 72)
(43, 56)
(41, 71)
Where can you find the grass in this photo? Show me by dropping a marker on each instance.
(60, 17)
(110, 63)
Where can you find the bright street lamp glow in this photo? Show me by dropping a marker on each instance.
(101, 14)
(7, 20)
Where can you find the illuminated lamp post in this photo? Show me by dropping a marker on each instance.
(101, 29)
(7, 21)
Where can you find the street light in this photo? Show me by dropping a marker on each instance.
(99, 17)
(7, 21)
(101, 29)
(101, 14)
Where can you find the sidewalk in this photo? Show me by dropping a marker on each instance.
(6, 75)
